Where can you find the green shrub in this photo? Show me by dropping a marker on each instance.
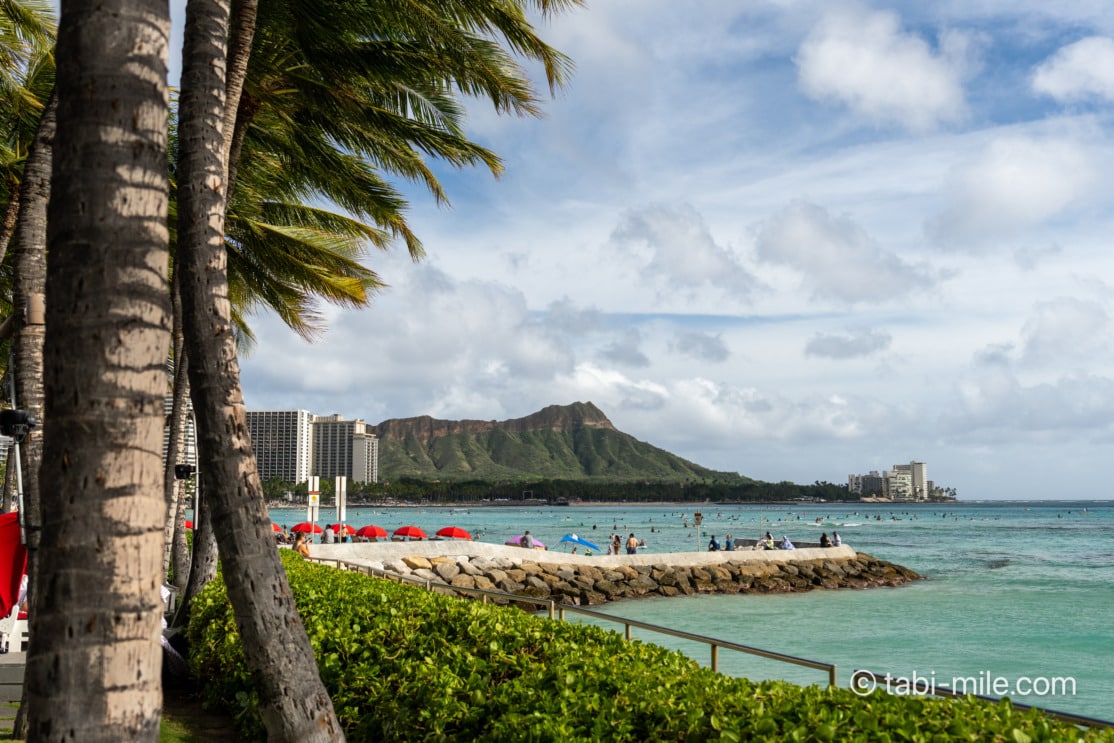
(406, 664)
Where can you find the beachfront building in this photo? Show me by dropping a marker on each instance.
(903, 482)
(283, 443)
(897, 484)
(866, 486)
(344, 448)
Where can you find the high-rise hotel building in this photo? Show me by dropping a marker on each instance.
(283, 443)
(344, 448)
(294, 444)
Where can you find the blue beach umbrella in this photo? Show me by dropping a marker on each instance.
(579, 540)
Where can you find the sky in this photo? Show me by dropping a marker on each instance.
(794, 240)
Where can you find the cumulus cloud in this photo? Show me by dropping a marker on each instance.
(995, 404)
(1065, 330)
(565, 317)
(848, 346)
(609, 388)
(1079, 71)
(627, 350)
(864, 59)
(1016, 183)
(1030, 257)
(700, 346)
(440, 345)
(675, 246)
(837, 259)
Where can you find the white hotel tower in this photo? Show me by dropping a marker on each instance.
(294, 444)
(283, 443)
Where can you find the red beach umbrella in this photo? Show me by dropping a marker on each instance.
(410, 532)
(348, 529)
(453, 532)
(275, 527)
(307, 527)
(189, 524)
(371, 531)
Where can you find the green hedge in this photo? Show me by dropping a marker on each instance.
(406, 664)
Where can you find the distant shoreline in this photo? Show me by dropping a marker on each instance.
(613, 504)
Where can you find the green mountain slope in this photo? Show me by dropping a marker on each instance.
(560, 442)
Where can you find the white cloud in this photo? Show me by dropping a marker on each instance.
(1079, 71)
(1066, 331)
(836, 258)
(719, 224)
(675, 250)
(995, 407)
(865, 60)
(1014, 184)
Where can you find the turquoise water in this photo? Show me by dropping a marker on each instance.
(1018, 595)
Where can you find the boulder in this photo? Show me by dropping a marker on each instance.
(466, 566)
(611, 589)
(416, 562)
(592, 598)
(447, 570)
(641, 585)
(397, 566)
(509, 586)
(590, 573)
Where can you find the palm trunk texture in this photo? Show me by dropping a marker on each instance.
(29, 291)
(94, 663)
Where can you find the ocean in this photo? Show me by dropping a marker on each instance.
(1018, 597)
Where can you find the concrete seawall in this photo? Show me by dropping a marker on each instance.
(596, 579)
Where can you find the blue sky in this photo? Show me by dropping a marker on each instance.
(794, 240)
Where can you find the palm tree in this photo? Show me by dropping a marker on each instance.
(26, 77)
(295, 704)
(93, 666)
(28, 294)
(369, 124)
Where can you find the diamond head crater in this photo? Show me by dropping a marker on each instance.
(559, 454)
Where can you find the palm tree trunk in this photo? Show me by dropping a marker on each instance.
(294, 703)
(11, 216)
(203, 561)
(28, 291)
(176, 428)
(180, 555)
(93, 667)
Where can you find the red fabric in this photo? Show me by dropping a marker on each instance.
(13, 561)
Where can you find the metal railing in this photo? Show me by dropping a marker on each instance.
(558, 610)
(713, 643)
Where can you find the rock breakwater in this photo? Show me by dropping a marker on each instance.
(585, 584)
